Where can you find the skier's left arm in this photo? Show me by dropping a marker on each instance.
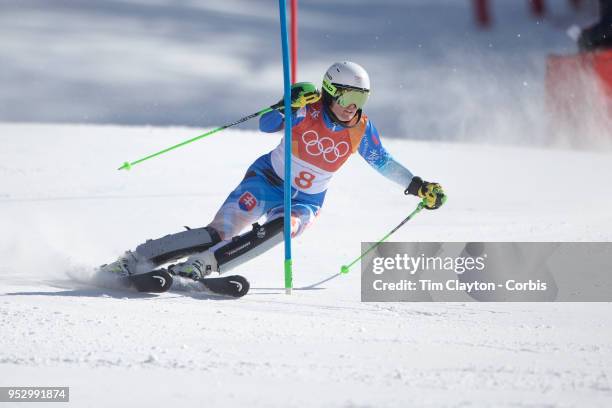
(372, 150)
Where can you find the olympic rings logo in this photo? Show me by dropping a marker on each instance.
(324, 146)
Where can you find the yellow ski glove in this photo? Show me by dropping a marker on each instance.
(432, 193)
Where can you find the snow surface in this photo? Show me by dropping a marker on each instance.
(65, 209)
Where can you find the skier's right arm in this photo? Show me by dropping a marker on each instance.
(271, 122)
(275, 120)
(302, 94)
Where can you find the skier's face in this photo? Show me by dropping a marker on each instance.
(345, 114)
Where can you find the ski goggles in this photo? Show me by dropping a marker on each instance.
(346, 97)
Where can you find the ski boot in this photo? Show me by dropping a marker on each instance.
(196, 266)
(124, 266)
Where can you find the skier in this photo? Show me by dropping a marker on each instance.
(327, 130)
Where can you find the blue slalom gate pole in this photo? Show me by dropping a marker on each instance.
(287, 186)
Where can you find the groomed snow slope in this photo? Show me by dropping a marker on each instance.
(65, 209)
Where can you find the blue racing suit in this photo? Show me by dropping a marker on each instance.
(320, 147)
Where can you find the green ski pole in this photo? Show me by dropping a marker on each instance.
(345, 268)
(128, 165)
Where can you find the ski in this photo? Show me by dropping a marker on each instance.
(157, 281)
(234, 286)
(160, 280)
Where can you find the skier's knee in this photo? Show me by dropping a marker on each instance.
(301, 217)
(297, 225)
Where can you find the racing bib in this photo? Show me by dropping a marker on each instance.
(318, 152)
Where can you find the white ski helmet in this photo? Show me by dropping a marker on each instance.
(346, 75)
